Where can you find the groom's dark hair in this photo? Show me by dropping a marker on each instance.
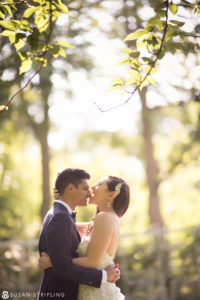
(70, 175)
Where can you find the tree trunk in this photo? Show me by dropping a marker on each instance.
(43, 138)
(151, 165)
(45, 177)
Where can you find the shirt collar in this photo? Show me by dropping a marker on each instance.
(64, 204)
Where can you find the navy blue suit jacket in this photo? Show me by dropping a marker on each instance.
(59, 237)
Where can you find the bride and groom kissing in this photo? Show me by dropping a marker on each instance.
(77, 267)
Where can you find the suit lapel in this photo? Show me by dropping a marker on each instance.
(64, 209)
(74, 224)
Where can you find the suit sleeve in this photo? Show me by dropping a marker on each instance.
(59, 245)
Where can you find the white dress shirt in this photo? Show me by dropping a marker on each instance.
(104, 273)
(65, 204)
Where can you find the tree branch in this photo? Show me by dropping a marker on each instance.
(192, 35)
(152, 66)
(44, 55)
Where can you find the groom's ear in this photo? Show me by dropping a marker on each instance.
(70, 187)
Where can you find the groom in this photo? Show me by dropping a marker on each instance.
(60, 238)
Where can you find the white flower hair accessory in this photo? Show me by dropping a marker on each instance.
(118, 189)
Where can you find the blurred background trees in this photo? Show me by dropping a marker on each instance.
(152, 141)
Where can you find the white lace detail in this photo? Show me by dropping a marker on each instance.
(108, 290)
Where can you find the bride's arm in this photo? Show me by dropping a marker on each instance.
(99, 242)
(101, 237)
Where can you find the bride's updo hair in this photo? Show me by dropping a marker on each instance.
(122, 199)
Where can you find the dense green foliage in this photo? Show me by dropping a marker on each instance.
(30, 30)
(160, 34)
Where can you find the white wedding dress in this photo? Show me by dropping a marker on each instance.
(108, 290)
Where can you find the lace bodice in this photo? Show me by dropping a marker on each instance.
(82, 249)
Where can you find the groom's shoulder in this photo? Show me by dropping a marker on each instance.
(57, 209)
(55, 213)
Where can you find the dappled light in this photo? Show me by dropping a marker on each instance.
(111, 87)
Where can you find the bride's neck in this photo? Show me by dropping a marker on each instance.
(106, 209)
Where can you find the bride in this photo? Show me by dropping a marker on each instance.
(98, 248)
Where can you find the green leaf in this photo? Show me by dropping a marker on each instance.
(57, 51)
(172, 47)
(148, 60)
(124, 61)
(2, 15)
(126, 50)
(135, 54)
(8, 24)
(143, 83)
(152, 42)
(140, 43)
(41, 21)
(162, 53)
(12, 3)
(113, 88)
(9, 1)
(29, 11)
(150, 28)
(62, 52)
(135, 35)
(8, 10)
(188, 3)
(19, 44)
(54, 50)
(197, 10)
(180, 24)
(15, 25)
(135, 64)
(155, 21)
(134, 79)
(42, 60)
(148, 68)
(133, 72)
(173, 8)
(160, 12)
(62, 7)
(182, 35)
(170, 34)
(10, 34)
(65, 44)
(131, 81)
(118, 81)
(26, 63)
(151, 80)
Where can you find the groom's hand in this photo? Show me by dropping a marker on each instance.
(113, 273)
(44, 261)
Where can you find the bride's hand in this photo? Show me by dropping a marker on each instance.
(44, 261)
(85, 228)
(113, 273)
(56, 194)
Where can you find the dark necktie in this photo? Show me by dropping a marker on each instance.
(73, 214)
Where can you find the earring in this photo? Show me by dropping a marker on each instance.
(108, 204)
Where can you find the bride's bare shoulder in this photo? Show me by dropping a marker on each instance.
(106, 218)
